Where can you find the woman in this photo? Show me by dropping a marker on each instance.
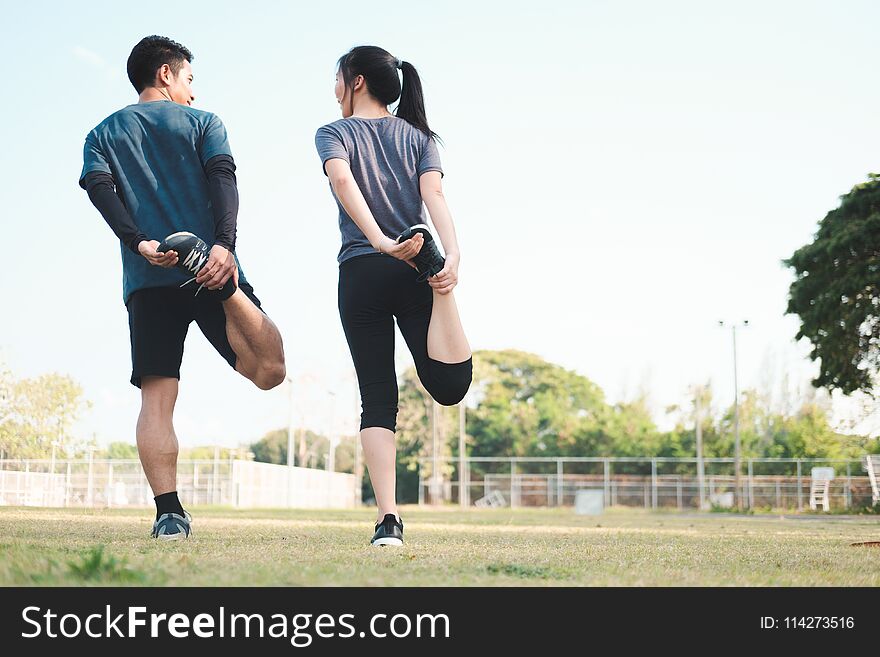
(383, 169)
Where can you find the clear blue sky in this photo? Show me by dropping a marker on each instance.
(622, 175)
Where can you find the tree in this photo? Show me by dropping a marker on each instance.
(529, 407)
(272, 448)
(836, 292)
(120, 450)
(37, 412)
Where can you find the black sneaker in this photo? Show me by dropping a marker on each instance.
(428, 260)
(192, 254)
(388, 532)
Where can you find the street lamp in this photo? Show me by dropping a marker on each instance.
(289, 441)
(737, 451)
(435, 456)
(462, 479)
(698, 427)
(55, 444)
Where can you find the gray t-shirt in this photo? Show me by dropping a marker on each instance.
(387, 156)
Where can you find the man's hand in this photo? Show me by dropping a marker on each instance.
(406, 250)
(147, 248)
(447, 278)
(220, 266)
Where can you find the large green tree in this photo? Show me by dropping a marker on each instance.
(527, 406)
(36, 412)
(272, 448)
(836, 292)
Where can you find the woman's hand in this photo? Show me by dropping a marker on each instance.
(406, 250)
(447, 278)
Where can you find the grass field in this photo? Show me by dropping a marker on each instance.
(538, 547)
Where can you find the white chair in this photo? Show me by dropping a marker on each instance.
(819, 486)
(494, 500)
(872, 465)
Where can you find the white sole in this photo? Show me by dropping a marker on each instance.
(183, 232)
(425, 226)
(172, 537)
(395, 542)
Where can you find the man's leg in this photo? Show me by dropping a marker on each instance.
(157, 442)
(255, 340)
(158, 320)
(242, 333)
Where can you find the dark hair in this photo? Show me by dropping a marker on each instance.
(149, 54)
(379, 68)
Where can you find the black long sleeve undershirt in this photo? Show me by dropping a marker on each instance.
(102, 193)
(222, 190)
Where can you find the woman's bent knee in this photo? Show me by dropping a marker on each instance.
(449, 382)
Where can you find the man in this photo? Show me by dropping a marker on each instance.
(162, 169)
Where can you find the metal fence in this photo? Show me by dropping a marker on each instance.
(651, 483)
(122, 483)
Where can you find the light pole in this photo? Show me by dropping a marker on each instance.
(55, 444)
(289, 442)
(332, 438)
(358, 454)
(463, 491)
(90, 480)
(737, 451)
(701, 468)
(435, 454)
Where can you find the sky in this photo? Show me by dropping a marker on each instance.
(622, 176)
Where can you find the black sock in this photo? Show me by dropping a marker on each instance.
(168, 503)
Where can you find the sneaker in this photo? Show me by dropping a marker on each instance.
(192, 254)
(172, 527)
(428, 260)
(388, 532)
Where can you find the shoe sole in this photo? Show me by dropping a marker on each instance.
(173, 235)
(180, 536)
(425, 226)
(182, 232)
(382, 542)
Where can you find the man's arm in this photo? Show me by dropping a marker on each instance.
(223, 190)
(102, 193)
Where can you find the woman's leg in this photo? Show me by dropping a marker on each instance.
(364, 308)
(380, 453)
(430, 324)
(446, 339)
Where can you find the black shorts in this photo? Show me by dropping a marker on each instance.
(158, 319)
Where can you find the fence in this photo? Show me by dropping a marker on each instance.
(649, 482)
(122, 483)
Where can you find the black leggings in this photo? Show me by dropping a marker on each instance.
(373, 290)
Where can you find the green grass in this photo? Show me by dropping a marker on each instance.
(540, 547)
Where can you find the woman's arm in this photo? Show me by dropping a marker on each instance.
(432, 194)
(355, 205)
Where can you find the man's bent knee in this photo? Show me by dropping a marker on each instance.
(269, 376)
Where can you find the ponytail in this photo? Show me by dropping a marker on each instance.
(411, 107)
(379, 68)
